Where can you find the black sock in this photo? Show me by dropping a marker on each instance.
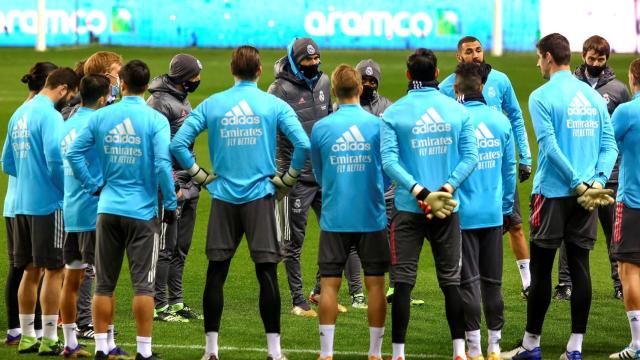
(578, 259)
(400, 312)
(14, 276)
(213, 298)
(269, 296)
(454, 309)
(540, 291)
(37, 324)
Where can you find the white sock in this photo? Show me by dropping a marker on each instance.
(26, 324)
(525, 274)
(473, 342)
(398, 351)
(14, 332)
(69, 332)
(273, 345)
(634, 324)
(376, 334)
(494, 341)
(50, 327)
(458, 348)
(211, 343)
(101, 343)
(111, 339)
(144, 346)
(575, 342)
(326, 340)
(39, 333)
(530, 341)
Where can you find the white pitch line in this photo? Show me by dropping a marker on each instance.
(286, 351)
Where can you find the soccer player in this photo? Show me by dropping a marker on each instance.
(576, 152)
(625, 246)
(499, 94)
(428, 149)
(35, 80)
(242, 123)
(345, 151)
(169, 94)
(301, 84)
(32, 154)
(486, 202)
(595, 72)
(80, 211)
(132, 145)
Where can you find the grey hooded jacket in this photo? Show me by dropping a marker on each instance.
(376, 106)
(614, 93)
(310, 104)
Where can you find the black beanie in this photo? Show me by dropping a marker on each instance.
(302, 48)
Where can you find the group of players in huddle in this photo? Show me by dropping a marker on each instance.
(440, 163)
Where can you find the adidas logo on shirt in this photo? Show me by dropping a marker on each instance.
(123, 133)
(240, 114)
(67, 140)
(581, 106)
(20, 129)
(485, 137)
(430, 122)
(351, 140)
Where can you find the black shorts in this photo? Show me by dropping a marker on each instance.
(516, 214)
(408, 231)
(372, 248)
(482, 255)
(554, 220)
(256, 219)
(38, 240)
(625, 242)
(9, 225)
(116, 234)
(79, 246)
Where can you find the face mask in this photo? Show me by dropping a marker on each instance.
(310, 71)
(367, 93)
(595, 71)
(115, 89)
(191, 86)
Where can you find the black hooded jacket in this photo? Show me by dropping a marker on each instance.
(310, 104)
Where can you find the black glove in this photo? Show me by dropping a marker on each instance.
(506, 223)
(524, 172)
(168, 216)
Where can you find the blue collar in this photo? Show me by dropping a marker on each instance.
(246, 83)
(635, 96)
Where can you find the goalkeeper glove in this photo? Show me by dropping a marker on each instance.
(284, 182)
(592, 196)
(200, 176)
(437, 203)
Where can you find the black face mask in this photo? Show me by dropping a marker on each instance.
(367, 93)
(595, 71)
(310, 71)
(191, 86)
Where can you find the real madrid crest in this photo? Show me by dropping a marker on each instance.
(310, 49)
(321, 95)
(491, 92)
(369, 71)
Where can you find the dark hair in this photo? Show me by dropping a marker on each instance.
(634, 69)
(93, 87)
(422, 65)
(345, 81)
(37, 75)
(468, 77)
(136, 75)
(245, 62)
(80, 67)
(556, 45)
(598, 44)
(63, 76)
(466, 39)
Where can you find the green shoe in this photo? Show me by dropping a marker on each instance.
(28, 344)
(51, 347)
(185, 311)
(417, 302)
(389, 295)
(166, 316)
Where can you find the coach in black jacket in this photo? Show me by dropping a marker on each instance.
(307, 90)
(169, 96)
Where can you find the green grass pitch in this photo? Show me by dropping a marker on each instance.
(242, 334)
